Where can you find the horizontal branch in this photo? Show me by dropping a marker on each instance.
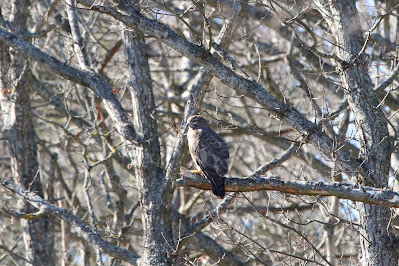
(372, 195)
(79, 226)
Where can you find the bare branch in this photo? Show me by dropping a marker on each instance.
(372, 195)
(389, 80)
(278, 161)
(79, 226)
(197, 88)
(235, 80)
(89, 79)
(198, 226)
(230, 199)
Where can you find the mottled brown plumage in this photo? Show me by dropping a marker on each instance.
(209, 151)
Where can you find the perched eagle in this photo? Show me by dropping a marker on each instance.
(209, 151)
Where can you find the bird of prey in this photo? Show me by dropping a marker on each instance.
(209, 151)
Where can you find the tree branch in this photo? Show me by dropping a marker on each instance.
(236, 81)
(372, 195)
(80, 227)
(89, 79)
(197, 87)
(205, 221)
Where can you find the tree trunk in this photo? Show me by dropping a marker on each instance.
(20, 133)
(146, 157)
(375, 143)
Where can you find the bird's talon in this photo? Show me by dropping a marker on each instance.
(199, 172)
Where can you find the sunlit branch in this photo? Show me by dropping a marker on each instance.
(366, 194)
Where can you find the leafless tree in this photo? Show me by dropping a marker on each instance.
(94, 101)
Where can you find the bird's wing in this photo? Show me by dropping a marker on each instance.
(213, 153)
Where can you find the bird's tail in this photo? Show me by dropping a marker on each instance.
(217, 185)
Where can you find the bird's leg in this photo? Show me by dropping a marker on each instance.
(184, 171)
(197, 172)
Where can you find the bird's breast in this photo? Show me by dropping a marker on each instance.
(193, 139)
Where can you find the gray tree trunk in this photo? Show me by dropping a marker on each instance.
(150, 177)
(20, 133)
(376, 145)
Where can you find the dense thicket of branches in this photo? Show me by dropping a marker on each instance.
(94, 102)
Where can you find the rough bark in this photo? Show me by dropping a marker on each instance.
(146, 156)
(21, 136)
(375, 143)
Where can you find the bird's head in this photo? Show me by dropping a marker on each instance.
(196, 121)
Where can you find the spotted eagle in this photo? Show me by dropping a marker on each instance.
(209, 151)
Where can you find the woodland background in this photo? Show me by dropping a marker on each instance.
(94, 101)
